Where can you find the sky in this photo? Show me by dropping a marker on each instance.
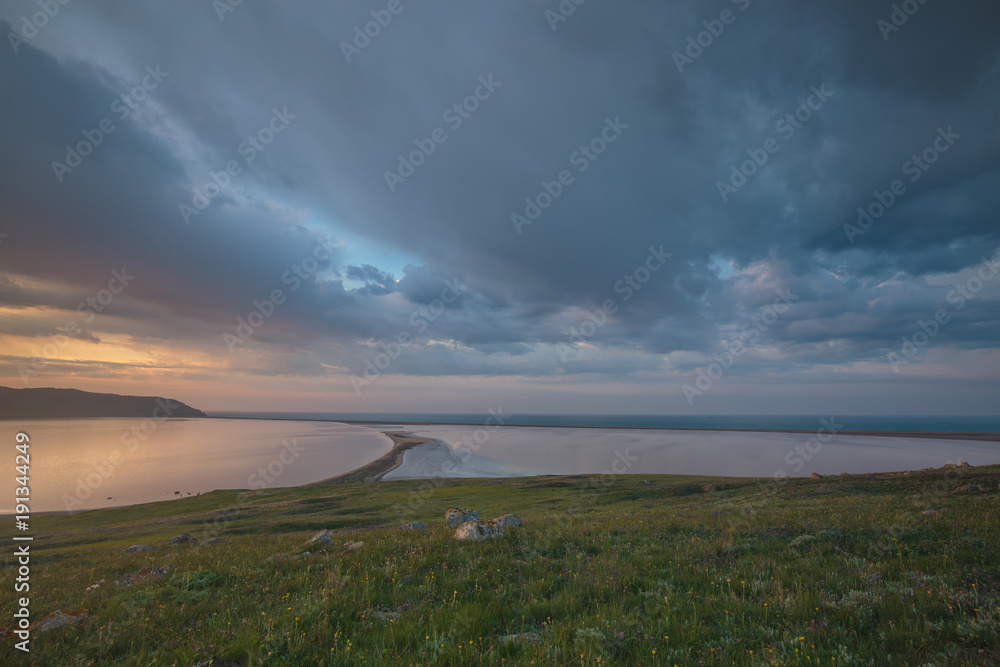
(727, 207)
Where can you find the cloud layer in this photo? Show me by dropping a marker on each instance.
(484, 186)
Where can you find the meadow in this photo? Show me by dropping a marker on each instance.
(882, 569)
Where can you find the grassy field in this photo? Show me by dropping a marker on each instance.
(885, 569)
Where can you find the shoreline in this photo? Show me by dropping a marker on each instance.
(374, 471)
(976, 436)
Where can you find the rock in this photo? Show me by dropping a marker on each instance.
(963, 464)
(415, 525)
(322, 538)
(183, 538)
(455, 517)
(948, 466)
(218, 662)
(508, 521)
(95, 586)
(521, 637)
(143, 575)
(969, 488)
(292, 558)
(214, 541)
(136, 548)
(708, 488)
(353, 546)
(815, 475)
(387, 615)
(59, 619)
(478, 530)
(844, 474)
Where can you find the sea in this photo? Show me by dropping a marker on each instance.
(81, 464)
(889, 423)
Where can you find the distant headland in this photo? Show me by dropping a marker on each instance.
(49, 403)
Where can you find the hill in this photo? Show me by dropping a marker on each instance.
(49, 403)
(879, 569)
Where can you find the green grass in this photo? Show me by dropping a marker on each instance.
(641, 570)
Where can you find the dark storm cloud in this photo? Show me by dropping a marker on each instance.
(551, 93)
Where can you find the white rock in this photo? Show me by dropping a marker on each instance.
(457, 516)
(323, 537)
(416, 525)
(478, 530)
(508, 521)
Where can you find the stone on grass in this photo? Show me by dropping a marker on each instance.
(214, 541)
(286, 557)
(414, 525)
(322, 538)
(478, 530)
(456, 516)
(143, 575)
(135, 548)
(59, 619)
(520, 637)
(183, 538)
(815, 475)
(969, 488)
(353, 546)
(218, 662)
(508, 521)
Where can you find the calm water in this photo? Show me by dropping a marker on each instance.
(510, 452)
(945, 423)
(89, 463)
